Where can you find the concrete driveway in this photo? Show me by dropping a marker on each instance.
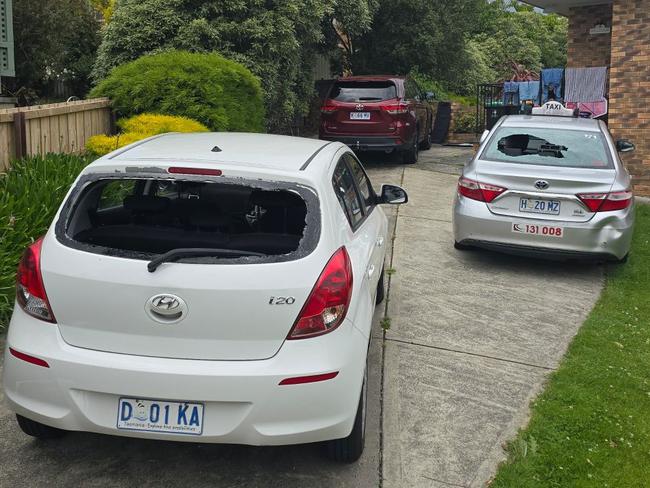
(472, 337)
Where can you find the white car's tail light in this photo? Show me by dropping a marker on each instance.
(328, 301)
(478, 191)
(607, 202)
(30, 291)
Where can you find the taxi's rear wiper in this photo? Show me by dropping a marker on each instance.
(194, 252)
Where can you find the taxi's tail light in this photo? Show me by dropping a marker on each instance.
(476, 190)
(30, 291)
(607, 202)
(328, 301)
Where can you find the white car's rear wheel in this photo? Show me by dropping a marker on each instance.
(350, 448)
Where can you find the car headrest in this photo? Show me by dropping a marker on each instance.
(146, 204)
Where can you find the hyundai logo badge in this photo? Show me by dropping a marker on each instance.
(166, 308)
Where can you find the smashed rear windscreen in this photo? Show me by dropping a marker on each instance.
(549, 147)
(366, 91)
(145, 217)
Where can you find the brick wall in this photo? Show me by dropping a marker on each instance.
(586, 50)
(629, 114)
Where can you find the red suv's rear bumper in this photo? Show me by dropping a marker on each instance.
(366, 143)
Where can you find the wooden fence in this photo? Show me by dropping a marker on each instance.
(57, 127)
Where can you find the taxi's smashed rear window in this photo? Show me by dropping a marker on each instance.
(549, 147)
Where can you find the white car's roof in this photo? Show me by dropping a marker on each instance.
(283, 153)
(551, 122)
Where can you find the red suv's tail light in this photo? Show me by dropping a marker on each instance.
(328, 301)
(328, 109)
(607, 202)
(478, 191)
(30, 292)
(396, 108)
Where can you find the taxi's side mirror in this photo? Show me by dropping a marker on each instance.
(624, 146)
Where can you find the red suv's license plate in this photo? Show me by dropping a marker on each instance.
(539, 230)
(359, 115)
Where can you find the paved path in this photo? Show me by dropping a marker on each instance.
(472, 337)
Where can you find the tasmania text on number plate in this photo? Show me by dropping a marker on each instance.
(538, 230)
(160, 416)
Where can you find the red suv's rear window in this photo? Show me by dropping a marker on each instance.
(363, 91)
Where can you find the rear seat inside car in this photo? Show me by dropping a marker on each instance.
(211, 216)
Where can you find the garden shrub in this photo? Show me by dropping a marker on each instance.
(140, 127)
(219, 93)
(30, 194)
(464, 122)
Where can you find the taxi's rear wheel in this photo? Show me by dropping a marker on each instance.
(38, 430)
(624, 259)
(350, 448)
(461, 247)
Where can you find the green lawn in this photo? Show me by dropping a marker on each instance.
(30, 194)
(591, 425)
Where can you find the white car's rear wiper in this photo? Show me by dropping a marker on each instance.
(190, 252)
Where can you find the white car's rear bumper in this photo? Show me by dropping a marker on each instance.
(606, 235)
(244, 403)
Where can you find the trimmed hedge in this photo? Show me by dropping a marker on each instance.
(140, 127)
(219, 93)
(30, 194)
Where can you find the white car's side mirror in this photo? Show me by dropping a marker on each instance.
(392, 195)
(484, 136)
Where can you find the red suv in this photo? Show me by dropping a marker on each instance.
(378, 113)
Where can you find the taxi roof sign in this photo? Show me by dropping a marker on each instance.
(554, 108)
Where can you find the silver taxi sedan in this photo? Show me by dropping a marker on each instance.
(548, 186)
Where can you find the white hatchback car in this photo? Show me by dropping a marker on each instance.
(206, 288)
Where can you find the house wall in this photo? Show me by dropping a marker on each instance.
(629, 113)
(586, 50)
(627, 51)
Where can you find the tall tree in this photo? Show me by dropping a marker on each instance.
(54, 39)
(278, 40)
(518, 35)
(426, 34)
